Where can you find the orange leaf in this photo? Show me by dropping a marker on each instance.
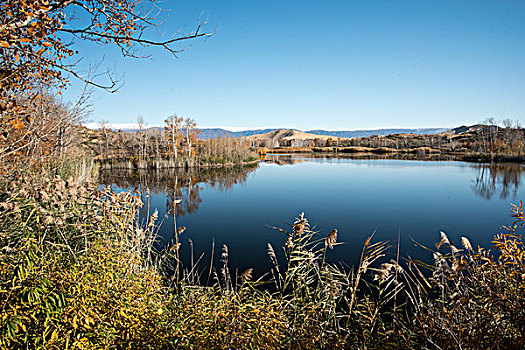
(47, 44)
(17, 124)
(25, 40)
(4, 44)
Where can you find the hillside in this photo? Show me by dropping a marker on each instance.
(213, 133)
(290, 138)
(288, 134)
(464, 129)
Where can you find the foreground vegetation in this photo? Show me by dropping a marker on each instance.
(78, 270)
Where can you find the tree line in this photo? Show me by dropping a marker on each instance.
(176, 141)
(492, 137)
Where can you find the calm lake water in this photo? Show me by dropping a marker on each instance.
(413, 199)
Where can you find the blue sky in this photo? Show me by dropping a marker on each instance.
(332, 64)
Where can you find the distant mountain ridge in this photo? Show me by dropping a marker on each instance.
(365, 133)
(212, 133)
(216, 132)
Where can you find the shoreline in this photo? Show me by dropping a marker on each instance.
(421, 153)
(156, 164)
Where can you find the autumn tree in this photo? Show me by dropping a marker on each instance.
(39, 53)
(173, 129)
(190, 134)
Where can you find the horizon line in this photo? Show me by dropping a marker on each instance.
(127, 126)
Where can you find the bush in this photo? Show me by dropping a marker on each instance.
(70, 276)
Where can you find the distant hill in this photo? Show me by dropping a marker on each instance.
(464, 129)
(213, 133)
(288, 134)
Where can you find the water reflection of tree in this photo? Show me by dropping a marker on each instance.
(286, 159)
(290, 159)
(185, 188)
(494, 179)
(184, 184)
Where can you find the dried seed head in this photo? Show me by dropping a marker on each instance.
(454, 249)
(153, 218)
(397, 267)
(298, 228)
(301, 220)
(48, 220)
(364, 266)
(181, 229)
(385, 271)
(466, 243)
(331, 239)
(175, 247)
(246, 275)
(289, 243)
(271, 253)
(224, 254)
(444, 238)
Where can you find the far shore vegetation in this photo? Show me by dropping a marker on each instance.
(177, 145)
(492, 141)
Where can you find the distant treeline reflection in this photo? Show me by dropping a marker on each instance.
(180, 183)
(295, 158)
(502, 179)
(498, 179)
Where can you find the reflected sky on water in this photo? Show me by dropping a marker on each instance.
(415, 199)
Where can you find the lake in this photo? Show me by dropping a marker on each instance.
(407, 198)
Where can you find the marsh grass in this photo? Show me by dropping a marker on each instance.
(78, 269)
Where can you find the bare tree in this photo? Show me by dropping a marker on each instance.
(190, 133)
(173, 129)
(141, 137)
(105, 128)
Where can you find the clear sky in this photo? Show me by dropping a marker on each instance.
(329, 65)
